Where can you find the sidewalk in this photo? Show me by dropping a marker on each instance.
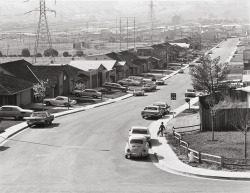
(165, 159)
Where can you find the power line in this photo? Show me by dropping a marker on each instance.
(151, 19)
(43, 38)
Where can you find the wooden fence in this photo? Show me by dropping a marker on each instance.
(199, 156)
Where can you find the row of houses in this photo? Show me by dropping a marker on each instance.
(18, 77)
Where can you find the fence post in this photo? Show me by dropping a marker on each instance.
(199, 155)
(221, 161)
(200, 126)
(173, 130)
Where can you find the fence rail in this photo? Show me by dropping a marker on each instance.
(199, 156)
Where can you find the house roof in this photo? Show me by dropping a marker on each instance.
(114, 56)
(20, 69)
(183, 45)
(48, 72)
(10, 85)
(87, 65)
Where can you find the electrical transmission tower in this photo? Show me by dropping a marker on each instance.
(43, 38)
(151, 19)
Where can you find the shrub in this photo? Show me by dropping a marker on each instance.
(66, 54)
(50, 52)
(25, 52)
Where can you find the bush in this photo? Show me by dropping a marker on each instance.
(50, 52)
(66, 54)
(39, 55)
(79, 53)
(25, 52)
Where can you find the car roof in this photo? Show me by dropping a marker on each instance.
(137, 136)
(160, 103)
(152, 106)
(9, 106)
(139, 127)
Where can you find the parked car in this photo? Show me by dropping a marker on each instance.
(129, 82)
(59, 101)
(159, 82)
(138, 92)
(14, 111)
(152, 111)
(147, 88)
(137, 78)
(163, 106)
(190, 93)
(87, 92)
(136, 146)
(116, 86)
(153, 85)
(181, 71)
(140, 130)
(40, 118)
(149, 76)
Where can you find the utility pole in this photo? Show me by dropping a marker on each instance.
(43, 38)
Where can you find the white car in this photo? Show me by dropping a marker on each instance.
(14, 111)
(140, 130)
(59, 101)
(190, 93)
(87, 92)
(136, 146)
(164, 106)
(152, 111)
(159, 82)
(129, 82)
(138, 92)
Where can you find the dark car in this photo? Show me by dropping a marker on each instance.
(115, 86)
(40, 118)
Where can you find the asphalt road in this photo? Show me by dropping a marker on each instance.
(225, 49)
(84, 152)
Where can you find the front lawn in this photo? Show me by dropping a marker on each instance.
(226, 144)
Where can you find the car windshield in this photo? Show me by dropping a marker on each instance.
(38, 115)
(138, 141)
(151, 108)
(139, 131)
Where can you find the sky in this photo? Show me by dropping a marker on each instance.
(14, 10)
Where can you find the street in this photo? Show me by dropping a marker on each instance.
(84, 152)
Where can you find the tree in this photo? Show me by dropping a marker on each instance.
(50, 52)
(80, 86)
(25, 52)
(208, 73)
(66, 54)
(40, 89)
(79, 53)
(243, 124)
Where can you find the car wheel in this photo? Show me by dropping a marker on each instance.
(29, 125)
(48, 103)
(66, 104)
(77, 94)
(127, 156)
(94, 96)
(18, 118)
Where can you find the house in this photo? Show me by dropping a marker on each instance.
(247, 90)
(97, 71)
(16, 83)
(246, 59)
(15, 91)
(60, 80)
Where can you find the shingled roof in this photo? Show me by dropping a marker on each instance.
(10, 85)
(20, 69)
